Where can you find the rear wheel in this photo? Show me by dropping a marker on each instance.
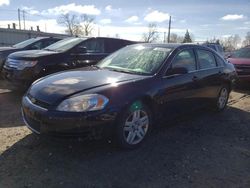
(222, 99)
(134, 126)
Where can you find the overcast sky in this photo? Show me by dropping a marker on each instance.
(129, 18)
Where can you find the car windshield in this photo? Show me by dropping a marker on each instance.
(64, 45)
(242, 53)
(25, 43)
(137, 59)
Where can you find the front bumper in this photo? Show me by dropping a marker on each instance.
(18, 77)
(43, 121)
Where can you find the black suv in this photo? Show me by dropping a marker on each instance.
(26, 66)
(216, 47)
(30, 44)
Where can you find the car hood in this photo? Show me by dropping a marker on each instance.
(53, 89)
(6, 48)
(239, 61)
(31, 54)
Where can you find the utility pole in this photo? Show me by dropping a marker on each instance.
(164, 37)
(99, 31)
(19, 19)
(24, 19)
(169, 28)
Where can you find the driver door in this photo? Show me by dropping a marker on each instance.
(89, 52)
(179, 88)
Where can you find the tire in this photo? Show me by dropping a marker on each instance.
(134, 126)
(222, 99)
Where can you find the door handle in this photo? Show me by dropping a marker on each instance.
(220, 73)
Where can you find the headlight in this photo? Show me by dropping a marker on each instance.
(23, 64)
(19, 64)
(83, 103)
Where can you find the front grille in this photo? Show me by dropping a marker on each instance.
(12, 63)
(243, 69)
(38, 102)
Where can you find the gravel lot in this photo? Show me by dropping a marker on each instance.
(204, 149)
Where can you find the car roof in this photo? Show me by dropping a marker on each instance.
(43, 37)
(171, 45)
(84, 38)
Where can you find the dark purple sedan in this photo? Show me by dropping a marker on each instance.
(127, 93)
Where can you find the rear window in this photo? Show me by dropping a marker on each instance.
(242, 53)
(206, 59)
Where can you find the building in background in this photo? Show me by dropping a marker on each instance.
(10, 36)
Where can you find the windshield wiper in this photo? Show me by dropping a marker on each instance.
(95, 66)
(121, 70)
(50, 50)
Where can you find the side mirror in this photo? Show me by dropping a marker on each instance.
(228, 56)
(176, 71)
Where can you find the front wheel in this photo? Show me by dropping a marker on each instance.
(222, 99)
(134, 126)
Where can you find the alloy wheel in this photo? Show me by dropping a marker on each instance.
(136, 127)
(222, 99)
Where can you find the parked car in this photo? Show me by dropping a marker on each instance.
(128, 92)
(30, 44)
(216, 47)
(22, 68)
(241, 60)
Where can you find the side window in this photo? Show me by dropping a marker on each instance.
(220, 61)
(36, 46)
(112, 45)
(185, 59)
(94, 45)
(206, 59)
(46, 43)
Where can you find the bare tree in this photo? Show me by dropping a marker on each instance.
(246, 42)
(152, 34)
(87, 22)
(77, 25)
(71, 22)
(231, 43)
(214, 40)
(174, 38)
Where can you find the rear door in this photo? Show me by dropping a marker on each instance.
(210, 72)
(179, 91)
